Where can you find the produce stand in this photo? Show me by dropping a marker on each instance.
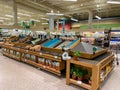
(52, 57)
(96, 66)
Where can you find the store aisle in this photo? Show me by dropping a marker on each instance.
(15, 75)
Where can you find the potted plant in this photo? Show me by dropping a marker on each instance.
(90, 80)
(47, 63)
(18, 54)
(33, 57)
(50, 63)
(76, 55)
(57, 65)
(80, 76)
(86, 76)
(94, 49)
(73, 73)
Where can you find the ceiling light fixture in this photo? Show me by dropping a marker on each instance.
(45, 19)
(7, 15)
(24, 14)
(98, 17)
(58, 22)
(35, 20)
(74, 19)
(113, 2)
(70, 0)
(5, 18)
(44, 23)
(1, 20)
(81, 4)
(98, 5)
(55, 14)
(59, 14)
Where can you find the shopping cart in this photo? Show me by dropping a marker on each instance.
(115, 48)
(117, 52)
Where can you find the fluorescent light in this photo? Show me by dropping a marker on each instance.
(24, 21)
(1, 20)
(45, 19)
(74, 19)
(7, 15)
(10, 23)
(98, 17)
(44, 23)
(70, 0)
(98, 5)
(5, 18)
(50, 13)
(35, 20)
(10, 16)
(58, 22)
(24, 14)
(113, 2)
(81, 4)
(59, 14)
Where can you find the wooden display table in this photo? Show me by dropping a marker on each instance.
(49, 55)
(104, 61)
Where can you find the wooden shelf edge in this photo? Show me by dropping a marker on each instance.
(86, 86)
(108, 60)
(44, 67)
(52, 58)
(107, 73)
(46, 56)
(81, 63)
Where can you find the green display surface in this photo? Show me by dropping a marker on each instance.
(107, 26)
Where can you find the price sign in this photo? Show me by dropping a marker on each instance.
(79, 82)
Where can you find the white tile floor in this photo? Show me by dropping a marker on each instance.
(15, 75)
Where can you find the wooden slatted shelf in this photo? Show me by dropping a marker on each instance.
(108, 72)
(79, 83)
(37, 55)
(43, 67)
(95, 66)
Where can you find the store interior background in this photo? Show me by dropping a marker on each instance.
(13, 12)
(36, 10)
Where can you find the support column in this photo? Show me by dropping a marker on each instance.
(90, 19)
(51, 22)
(15, 12)
(57, 24)
(63, 26)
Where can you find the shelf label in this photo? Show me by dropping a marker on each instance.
(55, 57)
(25, 60)
(26, 50)
(79, 82)
(40, 53)
(44, 66)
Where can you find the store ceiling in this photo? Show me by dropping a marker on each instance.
(37, 9)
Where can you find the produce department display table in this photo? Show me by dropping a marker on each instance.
(48, 59)
(97, 65)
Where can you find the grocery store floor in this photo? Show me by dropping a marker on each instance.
(15, 75)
